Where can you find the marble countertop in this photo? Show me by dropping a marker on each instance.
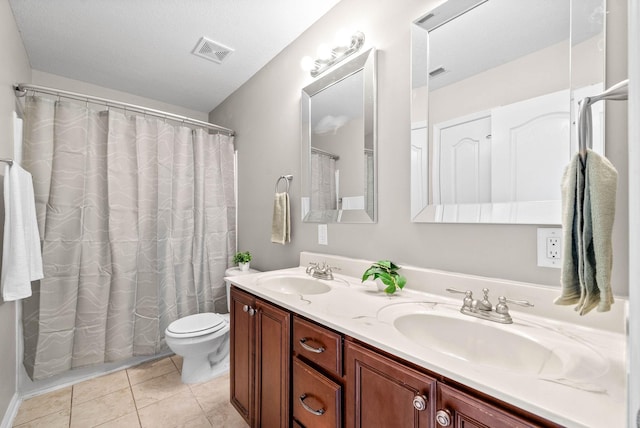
(589, 392)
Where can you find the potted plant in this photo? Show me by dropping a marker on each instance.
(387, 272)
(242, 259)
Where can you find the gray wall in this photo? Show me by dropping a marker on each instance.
(14, 68)
(265, 113)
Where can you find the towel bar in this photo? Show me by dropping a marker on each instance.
(617, 92)
(287, 179)
(8, 161)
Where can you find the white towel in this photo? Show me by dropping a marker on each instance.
(21, 252)
(589, 199)
(281, 224)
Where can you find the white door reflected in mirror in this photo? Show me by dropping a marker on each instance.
(495, 86)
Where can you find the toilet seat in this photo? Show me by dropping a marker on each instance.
(196, 325)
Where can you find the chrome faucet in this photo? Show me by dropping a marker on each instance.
(483, 309)
(318, 271)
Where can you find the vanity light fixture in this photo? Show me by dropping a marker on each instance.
(327, 57)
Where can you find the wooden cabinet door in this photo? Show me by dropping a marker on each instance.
(273, 356)
(456, 409)
(381, 392)
(242, 354)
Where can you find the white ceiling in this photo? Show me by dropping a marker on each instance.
(144, 47)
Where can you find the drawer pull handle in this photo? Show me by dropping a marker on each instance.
(309, 409)
(319, 350)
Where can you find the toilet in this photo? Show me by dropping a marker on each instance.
(202, 340)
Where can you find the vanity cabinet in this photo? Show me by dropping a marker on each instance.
(289, 371)
(383, 393)
(260, 356)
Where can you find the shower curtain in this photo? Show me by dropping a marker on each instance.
(323, 182)
(137, 223)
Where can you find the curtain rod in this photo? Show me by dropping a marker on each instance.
(22, 88)
(323, 152)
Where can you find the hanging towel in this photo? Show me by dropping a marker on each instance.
(589, 198)
(22, 256)
(572, 182)
(281, 224)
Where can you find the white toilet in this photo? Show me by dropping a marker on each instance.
(202, 340)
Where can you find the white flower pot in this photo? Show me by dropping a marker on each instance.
(244, 267)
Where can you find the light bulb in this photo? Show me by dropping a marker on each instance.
(343, 38)
(324, 52)
(307, 63)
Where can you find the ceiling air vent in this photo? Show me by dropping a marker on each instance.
(213, 51)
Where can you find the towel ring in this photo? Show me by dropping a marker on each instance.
(287, 179)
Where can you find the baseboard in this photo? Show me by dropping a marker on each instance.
(12, 411)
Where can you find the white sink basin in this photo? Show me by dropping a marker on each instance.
(480, 343)
(294, 285)
(525, 348)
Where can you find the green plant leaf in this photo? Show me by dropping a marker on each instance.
(386, 278)
(401, 281)
(390, 289)
(373, 271)
(385, 264)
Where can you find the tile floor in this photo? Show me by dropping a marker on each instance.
(148, 395)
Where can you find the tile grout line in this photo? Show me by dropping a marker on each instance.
(135, 404)
(71, 405)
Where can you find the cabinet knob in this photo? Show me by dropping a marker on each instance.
(443, 417)
(249, 309)
(420, 402)
(245, 308)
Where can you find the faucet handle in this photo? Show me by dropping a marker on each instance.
(456, 291)
(467, 302)
(502, 307)
(485, 304)
(525, 303)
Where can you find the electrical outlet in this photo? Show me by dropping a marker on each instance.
(550, 247)
(323, 238)
(553, 247)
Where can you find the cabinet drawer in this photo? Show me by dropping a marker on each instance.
(318, 345)
(317, 400)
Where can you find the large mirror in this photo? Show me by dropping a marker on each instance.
(495, 87)
(338, 121)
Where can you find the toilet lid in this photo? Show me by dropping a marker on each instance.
(197, 325)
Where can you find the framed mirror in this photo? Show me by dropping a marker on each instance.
(338, 122)
(495, 88)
